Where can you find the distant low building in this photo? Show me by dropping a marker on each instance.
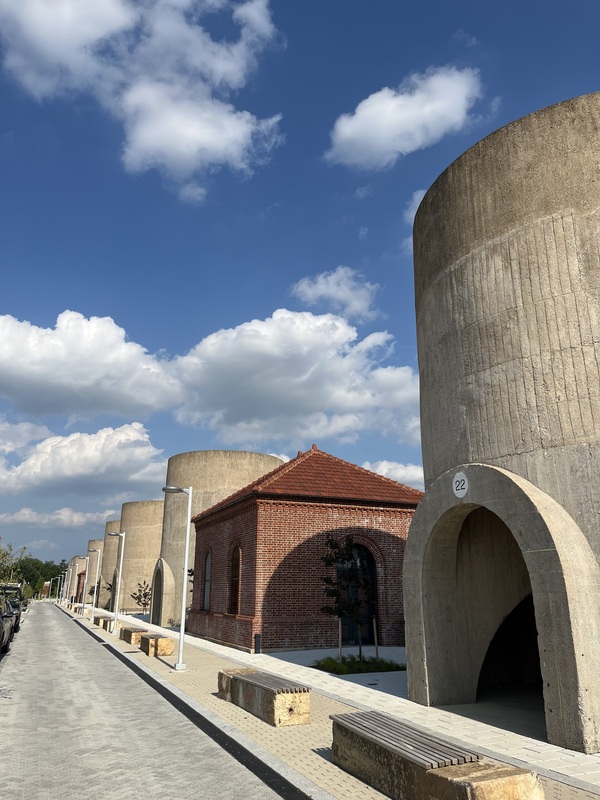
(258, 561)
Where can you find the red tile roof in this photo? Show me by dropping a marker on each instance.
(318, 475)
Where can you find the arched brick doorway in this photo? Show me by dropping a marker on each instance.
(472, 555)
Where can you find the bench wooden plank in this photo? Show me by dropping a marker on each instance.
(427, 750)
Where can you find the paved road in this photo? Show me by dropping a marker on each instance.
(77, 723)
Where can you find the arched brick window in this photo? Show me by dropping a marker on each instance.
(207, 578)
(234, 581)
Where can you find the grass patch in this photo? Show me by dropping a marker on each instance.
(351, 665)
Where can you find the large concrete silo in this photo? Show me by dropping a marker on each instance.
(213, 475)
(75, 567)
(94, 552)
(109, 562)
(141, 521)
(507, 538)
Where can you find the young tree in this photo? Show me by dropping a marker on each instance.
(349, 587)
(143, 595)
(9, 558)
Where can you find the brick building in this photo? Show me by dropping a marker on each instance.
(258, 567)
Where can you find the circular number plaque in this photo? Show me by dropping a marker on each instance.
(460, 484)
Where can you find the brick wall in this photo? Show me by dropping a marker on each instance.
(281, 587)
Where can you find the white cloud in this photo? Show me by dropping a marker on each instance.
(82, 366)
(113, 460)
(343, 289)
(293, 377)
(154, 67)
(409, 474)
(41, 544)
(62, 517)
(14, 437)
(363, 232)
(297, 377)
(413, 204)
(394, 122)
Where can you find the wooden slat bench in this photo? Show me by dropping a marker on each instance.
(275, 700)
(409, 763)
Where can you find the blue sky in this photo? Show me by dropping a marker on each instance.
(205, 222)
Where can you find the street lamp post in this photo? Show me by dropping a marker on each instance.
(67, 585)
(122, 535)
(180, 665)
(50, 589)
(85, 583)
(63, 590)
(93, 550)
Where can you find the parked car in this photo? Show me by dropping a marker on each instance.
(14, 593)
(7, 623)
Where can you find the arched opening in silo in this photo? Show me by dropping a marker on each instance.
(512, 661)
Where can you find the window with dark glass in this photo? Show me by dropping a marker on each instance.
(234, 584)
(207, 562)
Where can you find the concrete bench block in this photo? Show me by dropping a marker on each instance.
(132, 635)
(270, 698)
(381, 761)
(153, 644)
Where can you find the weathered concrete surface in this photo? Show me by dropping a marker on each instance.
(213, 475)
(401, 779)
(109, 561)
(278, 708)
(142, 523)
(507, 277)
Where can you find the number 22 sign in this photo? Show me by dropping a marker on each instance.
(460, 484)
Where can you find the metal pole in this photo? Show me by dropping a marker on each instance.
(85, 583)
(117, 597)
(96, 584)
(180, 665)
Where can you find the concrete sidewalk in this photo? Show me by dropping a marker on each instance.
(306, 750)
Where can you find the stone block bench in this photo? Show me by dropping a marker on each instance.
(153, 644)
(131, 634)
(99, 618)
(408, 763)
(275, 700)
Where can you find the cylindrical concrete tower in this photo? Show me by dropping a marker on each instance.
(213, 475)
(75, 566)
(142, 523)
(507, 281)
(109, 562)
(95, 548)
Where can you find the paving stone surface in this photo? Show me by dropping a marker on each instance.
(77, 723)
(70, 705)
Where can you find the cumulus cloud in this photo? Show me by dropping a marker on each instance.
(394, 122)
(343, 289)
(113, 460)
(409, 474)
(297, 377)
(14, 437)
(82, 366)
(293, 377)
(62, 517)
(156, 68)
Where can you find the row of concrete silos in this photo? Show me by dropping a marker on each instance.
(149, 537)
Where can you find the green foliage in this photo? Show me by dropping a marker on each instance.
(35, 572)
(143, 595)
(352, 665)
(9, 558)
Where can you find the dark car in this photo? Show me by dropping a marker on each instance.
(7, 623)
(14, 595)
